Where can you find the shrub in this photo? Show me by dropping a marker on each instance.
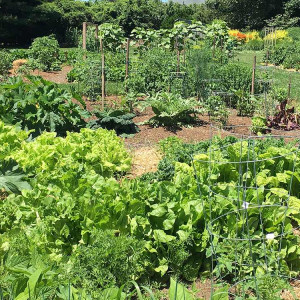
(200, 68)
(286, 54)
(19, 54)
(152, 72)
(71, 56)
(88, 74)
(234, 76)
(92, 44)
(5, 62)
(292, 61)
(254, 45)
(44, 54)
(246, 103)
(294, 33)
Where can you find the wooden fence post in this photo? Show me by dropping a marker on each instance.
(253, 76)
(102, 72)
(84, 27)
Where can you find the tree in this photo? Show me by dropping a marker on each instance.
(17, 20)
(246, 13)
(22, 21)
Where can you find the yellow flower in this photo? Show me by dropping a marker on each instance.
(277, 35)
(252, 35)
(233, 32)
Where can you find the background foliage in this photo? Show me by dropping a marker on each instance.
(21, 21)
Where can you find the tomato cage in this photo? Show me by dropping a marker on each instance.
(250, 192)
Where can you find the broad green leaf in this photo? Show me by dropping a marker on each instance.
(162, 237)
(178, 291)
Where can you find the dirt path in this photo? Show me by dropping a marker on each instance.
(55, 76)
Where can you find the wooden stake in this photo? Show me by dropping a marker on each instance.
(289, 87)
(253, 76)
(184, 52)
(178, 56)
(96, 32)
(102, 72)
(127, 58)
(84, 27)
(214, 47)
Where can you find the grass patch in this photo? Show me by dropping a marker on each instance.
(281, 77)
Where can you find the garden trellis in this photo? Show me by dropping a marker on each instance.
(242, 241)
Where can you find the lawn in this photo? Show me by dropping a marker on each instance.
(281, 77)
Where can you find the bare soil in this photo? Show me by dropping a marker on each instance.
(55, 76)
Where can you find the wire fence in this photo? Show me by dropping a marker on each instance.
(248, 224)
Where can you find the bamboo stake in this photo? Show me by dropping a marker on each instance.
(127, 59)
(97, 36)
(84, 27)
(178, 56)
(102, 72)
(253, 76)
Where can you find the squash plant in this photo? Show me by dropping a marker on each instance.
(40, 105)
(112, 36)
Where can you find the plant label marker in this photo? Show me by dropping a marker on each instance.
(270, 236)
(245, 205)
